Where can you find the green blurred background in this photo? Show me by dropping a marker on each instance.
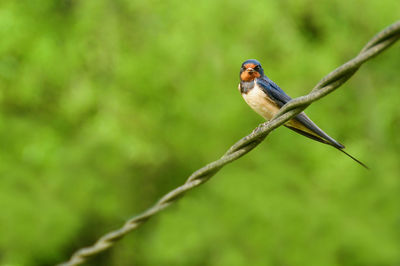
(107, 105)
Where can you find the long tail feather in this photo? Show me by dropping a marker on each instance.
(333, 144)
(362, 164)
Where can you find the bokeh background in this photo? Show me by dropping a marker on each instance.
(107, 105)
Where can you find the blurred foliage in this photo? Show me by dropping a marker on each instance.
(106, 105)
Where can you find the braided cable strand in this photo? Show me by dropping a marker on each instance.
(328, 84)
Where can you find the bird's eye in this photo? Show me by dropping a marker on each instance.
(257, 67)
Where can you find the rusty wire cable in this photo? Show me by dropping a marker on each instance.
(329, 83)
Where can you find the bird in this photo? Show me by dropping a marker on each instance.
(266, 98)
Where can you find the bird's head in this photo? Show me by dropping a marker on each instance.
(250, 70)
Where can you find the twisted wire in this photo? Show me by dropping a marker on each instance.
(328, 84)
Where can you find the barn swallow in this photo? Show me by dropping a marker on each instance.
(266, 98)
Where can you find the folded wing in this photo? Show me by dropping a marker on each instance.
(301, 123)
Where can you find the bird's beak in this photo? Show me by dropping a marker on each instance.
(250, 70)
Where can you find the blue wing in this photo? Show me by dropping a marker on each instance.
(273, 91)
(281, 98)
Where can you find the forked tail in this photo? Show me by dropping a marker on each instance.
(319, 135)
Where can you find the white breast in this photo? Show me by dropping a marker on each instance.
(260, 102)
